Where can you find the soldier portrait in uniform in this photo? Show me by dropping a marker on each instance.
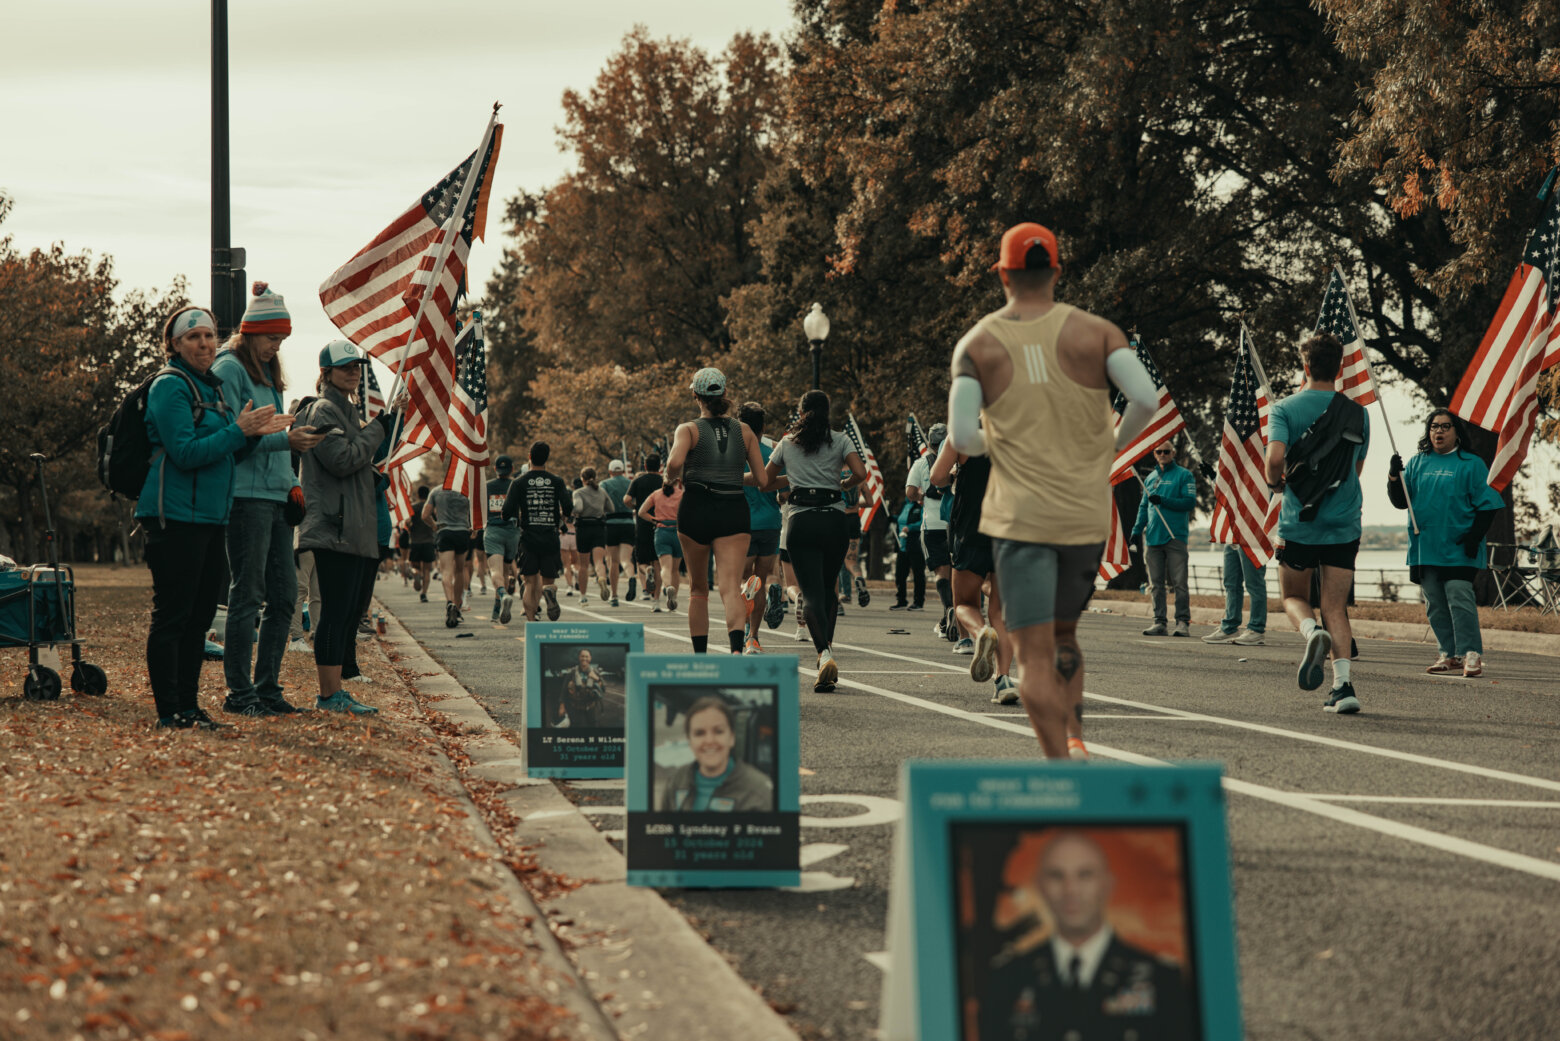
(582, 685)
(715, 748)
(1073, 933)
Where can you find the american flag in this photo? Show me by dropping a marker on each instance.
(372, 401)
(399, 495)
(377, 297)
(915, 438)
(467, 443)
(1355, 379)
(874, 482)
(1245, 513)
(1117, 556)
(1165, 423)
(1499, 392)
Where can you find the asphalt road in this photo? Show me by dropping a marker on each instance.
(1397, 873)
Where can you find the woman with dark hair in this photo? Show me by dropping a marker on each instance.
(184, 507)
(816, 527)
(259, 539)
(707, 457)
(716, 780)
(591, 506)
(1455, 506)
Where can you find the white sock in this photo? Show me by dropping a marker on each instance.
(1307, 627)
(1340, 672)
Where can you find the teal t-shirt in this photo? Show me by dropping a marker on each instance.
(1446, 491)
(763, 507)
(1338, 518)
(616, 488)
(704, 788)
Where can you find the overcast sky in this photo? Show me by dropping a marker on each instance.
(341, 115)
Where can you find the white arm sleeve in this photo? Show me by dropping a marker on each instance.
(1129, 376)
(964, 399)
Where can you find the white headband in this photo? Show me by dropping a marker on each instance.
(191, 320)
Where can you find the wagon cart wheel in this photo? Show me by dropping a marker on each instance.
(88, 679)
(42, 684)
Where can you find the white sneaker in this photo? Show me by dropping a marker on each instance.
(299, 646)
(465, 601)
(1247, 638)
(828, 672)
(1006, 692)
(1220, 636)
(801, 632)
(1473, 664)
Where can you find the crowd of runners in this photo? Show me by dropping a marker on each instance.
(1008, 511)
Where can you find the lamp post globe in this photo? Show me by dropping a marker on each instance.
(816, 327)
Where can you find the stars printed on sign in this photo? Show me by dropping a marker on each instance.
(1138, 792)
(752, 670)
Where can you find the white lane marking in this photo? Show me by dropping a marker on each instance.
(1417, 800)
(1294, 800)
(542, 815)
(878, 811)
(878, 958)
(817, 852)
(820, 882)
(612, 783)
(603, 811)
(620, 834)
(1092, 716)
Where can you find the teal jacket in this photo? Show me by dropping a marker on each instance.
(264, 472)
(1177, 490)
(191, 478)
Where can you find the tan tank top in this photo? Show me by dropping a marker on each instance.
(1051, 442)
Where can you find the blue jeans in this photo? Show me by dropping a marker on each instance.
(1454, 613)
(260, 560)
(1242, 576)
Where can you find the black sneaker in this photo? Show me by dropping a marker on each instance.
(774, 606)
(199, 719)
(950, 627)
(1342, 701)
(863, 598)
(633, 588)
(253, 707)
(916, 607)
(281, 706)
(900, 606)
(551, 596)
(423, 598)
(451, 615)
(177, 721)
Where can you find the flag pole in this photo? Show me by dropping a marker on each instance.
(446, 243)
(1391, 440)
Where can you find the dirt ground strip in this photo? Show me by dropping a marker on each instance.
(306, 877)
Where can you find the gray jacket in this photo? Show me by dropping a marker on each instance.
(338, 479)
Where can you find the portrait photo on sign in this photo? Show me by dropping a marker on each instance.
(583, 684)
(1073, 932)
(715, 748)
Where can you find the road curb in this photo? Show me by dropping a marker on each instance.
(1494, 639)
(646, 970)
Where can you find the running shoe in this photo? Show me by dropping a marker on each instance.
(200, 721)
(1247, 638)
(506, 610)
(601, 587)
(451, 616)
(633, 587)
(984, 663)
(1221, 635)
(828, 673)
(614, 601)
(584, 599)
(299, 645)
(752, 647)
(417, 583)
(423, 598)
(1157, 629)
(774, 607)
(465, 601)
(657, 608)
(751, 587)
(1444, 664)
(964, 646)
(801, 631)
(671, 599)
(916, 607)
(343, 702)
(1342, 701)
(1473, 665)
(550, 594)
(951, 631)
(1006, 693)
(1313, 663)
(509, 587)
(1076, 749)
(937, 628)
(900, 606)
(1182, 629)
(863, 598)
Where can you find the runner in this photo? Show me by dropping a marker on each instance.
(764, 516)
(540, 502)
(660, 510)
(421, 552)
(934, 529)
(451, 512)
(851, 575)
(974, 572)
(639, 492)
(620, 528)
(1317, 440)
(501, 540)
(573, 574)
(712, 523)
(1038, 373)
(817, 528)
(403, 550)
(590, 531)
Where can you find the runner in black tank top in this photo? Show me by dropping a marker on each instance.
(707, 455)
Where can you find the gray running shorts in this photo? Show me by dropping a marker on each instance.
(1041, 583)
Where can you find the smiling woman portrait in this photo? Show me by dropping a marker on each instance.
(716, 780)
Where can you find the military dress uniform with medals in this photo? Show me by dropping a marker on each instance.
(583, 696)
(1134, 995)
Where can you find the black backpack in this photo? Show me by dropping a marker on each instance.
(124, 453)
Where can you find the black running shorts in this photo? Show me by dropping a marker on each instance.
(973, 553)
(1301, 556)
(454, 541)
(935, 545)
(705, 517)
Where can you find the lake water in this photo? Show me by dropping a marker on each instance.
(1371, 568)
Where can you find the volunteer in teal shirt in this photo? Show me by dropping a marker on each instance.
(1169, 497)
(1338, 519)
(1454, 505)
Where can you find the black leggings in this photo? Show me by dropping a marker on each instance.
(189, 574)
(343, 578)
(817, 541)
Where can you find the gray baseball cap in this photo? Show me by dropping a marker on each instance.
(708, 381)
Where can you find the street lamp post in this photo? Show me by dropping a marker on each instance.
(816, 326)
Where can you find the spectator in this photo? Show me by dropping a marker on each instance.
(1169, 496)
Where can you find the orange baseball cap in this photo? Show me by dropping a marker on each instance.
(1019, 239)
